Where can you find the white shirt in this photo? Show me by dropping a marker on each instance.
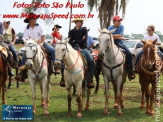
(154, 37)
(33, 33)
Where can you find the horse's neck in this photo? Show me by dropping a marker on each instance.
(111, 53)
(38, 60)
(71, 57)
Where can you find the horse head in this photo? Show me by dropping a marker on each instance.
(150, 52)
(31, 51)
(61, 51)
(105, 41)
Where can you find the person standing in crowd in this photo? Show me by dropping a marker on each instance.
(56, 34)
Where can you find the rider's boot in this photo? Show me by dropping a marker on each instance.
(10, 73)
(90, 82)
(131, 75)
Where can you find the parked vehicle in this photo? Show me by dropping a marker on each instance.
(19, 40)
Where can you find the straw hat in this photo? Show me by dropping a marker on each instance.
(78, 19)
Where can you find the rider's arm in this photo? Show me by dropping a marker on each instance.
(71, 41)
(42, 33)
(83, 41)
(43, 39)
(14, 36)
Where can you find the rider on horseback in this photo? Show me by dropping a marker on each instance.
(78, 36)
(35, 32)
(9, 39)
(119, 41)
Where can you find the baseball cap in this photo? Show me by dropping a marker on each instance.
(6, 20)
(151, 27)
(117, 18)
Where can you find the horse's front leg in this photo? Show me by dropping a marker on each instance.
(106, 94)
(121, 100)
(118, 84)
(142, 90)
(33, 87)
(97, 82)
(147, 94)
(69, 98)
(88, 96)
(79, 98)
(44, 82)
(115, 95)
(17, 75)
(48, 88)
(3, 93)
(42, 99)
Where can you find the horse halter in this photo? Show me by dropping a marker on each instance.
(64, 53)
(108, 40)
(34, 56)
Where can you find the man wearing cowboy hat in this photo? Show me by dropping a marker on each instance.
(9, 39)
(35, 32)
(78, 36)
(119, 41)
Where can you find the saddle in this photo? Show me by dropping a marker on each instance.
(4, 52)
(47, 54)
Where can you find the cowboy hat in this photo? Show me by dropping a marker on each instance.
(78, 19)
(31, 16)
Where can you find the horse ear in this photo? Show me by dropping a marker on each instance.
(112, 31)
(154, 42)
(143, 42)
(25, 41)
(67, 40)
(100, 30)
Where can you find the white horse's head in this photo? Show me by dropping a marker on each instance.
(31, 50)
(105, 39)
(60, 51)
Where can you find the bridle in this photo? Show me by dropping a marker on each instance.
(61, 60)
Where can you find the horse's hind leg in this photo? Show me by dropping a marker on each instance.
(88, 96)
(97, 83)
(147, 94)
(69, 98)
(9, 84)
(115, 95)
(79, 99)
(121, 100)
(4, 78)
(42, 100)
(17, 75)
(152, 99)
(106, 95)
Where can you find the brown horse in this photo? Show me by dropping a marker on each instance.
(3, 77)
(149, 68)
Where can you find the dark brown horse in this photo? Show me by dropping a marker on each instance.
(3, 77)
(149, 68)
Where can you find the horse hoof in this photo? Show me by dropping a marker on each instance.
(151, 113)
(69, 114)
(86, 108)
(147, 112)
(4, 103)
(142, 106)
(105, 112)
(120, 114)
(116, 106)
(122, 106)
(46, 113)
(42, 104)
(79, 115)
(34, 111)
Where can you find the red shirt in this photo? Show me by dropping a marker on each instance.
(57, 35)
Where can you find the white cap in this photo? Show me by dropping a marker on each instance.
(6, 20)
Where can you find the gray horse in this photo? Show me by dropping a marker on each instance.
(112, 68)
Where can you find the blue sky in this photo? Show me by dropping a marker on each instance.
(139, 14)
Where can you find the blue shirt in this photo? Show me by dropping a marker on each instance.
(119, 30)
(89, 41)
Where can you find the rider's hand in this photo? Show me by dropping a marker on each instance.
(12, 43)
(84, 37)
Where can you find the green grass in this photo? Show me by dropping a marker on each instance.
(58, 103)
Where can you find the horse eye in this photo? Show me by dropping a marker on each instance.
(63, 49)
(33, 50)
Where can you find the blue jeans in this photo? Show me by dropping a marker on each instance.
(90, 61)
(122, 45)
(142, 52)
(13, 50)
(49, 48)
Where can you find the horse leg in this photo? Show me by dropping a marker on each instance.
(33, 87)
(79, 99)
(88, 96)
(48, 87)
(118, 84)
(42, 100)
(74, 90)
(9, 84)
(152, 99)
(115, 95)
(147, 93)
(17, 75)
(44, 82)
(69, 98)
(4, 78)
(143, 90)
(106, 95)
(97, 83)
(121, 100)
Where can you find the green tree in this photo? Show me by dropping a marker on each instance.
(20, 34)
(107, 9)
(137, 36)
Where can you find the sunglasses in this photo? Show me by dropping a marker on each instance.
(8, 23)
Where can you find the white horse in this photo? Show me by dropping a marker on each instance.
(37, 71)
(112, 68)
(73, 73)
